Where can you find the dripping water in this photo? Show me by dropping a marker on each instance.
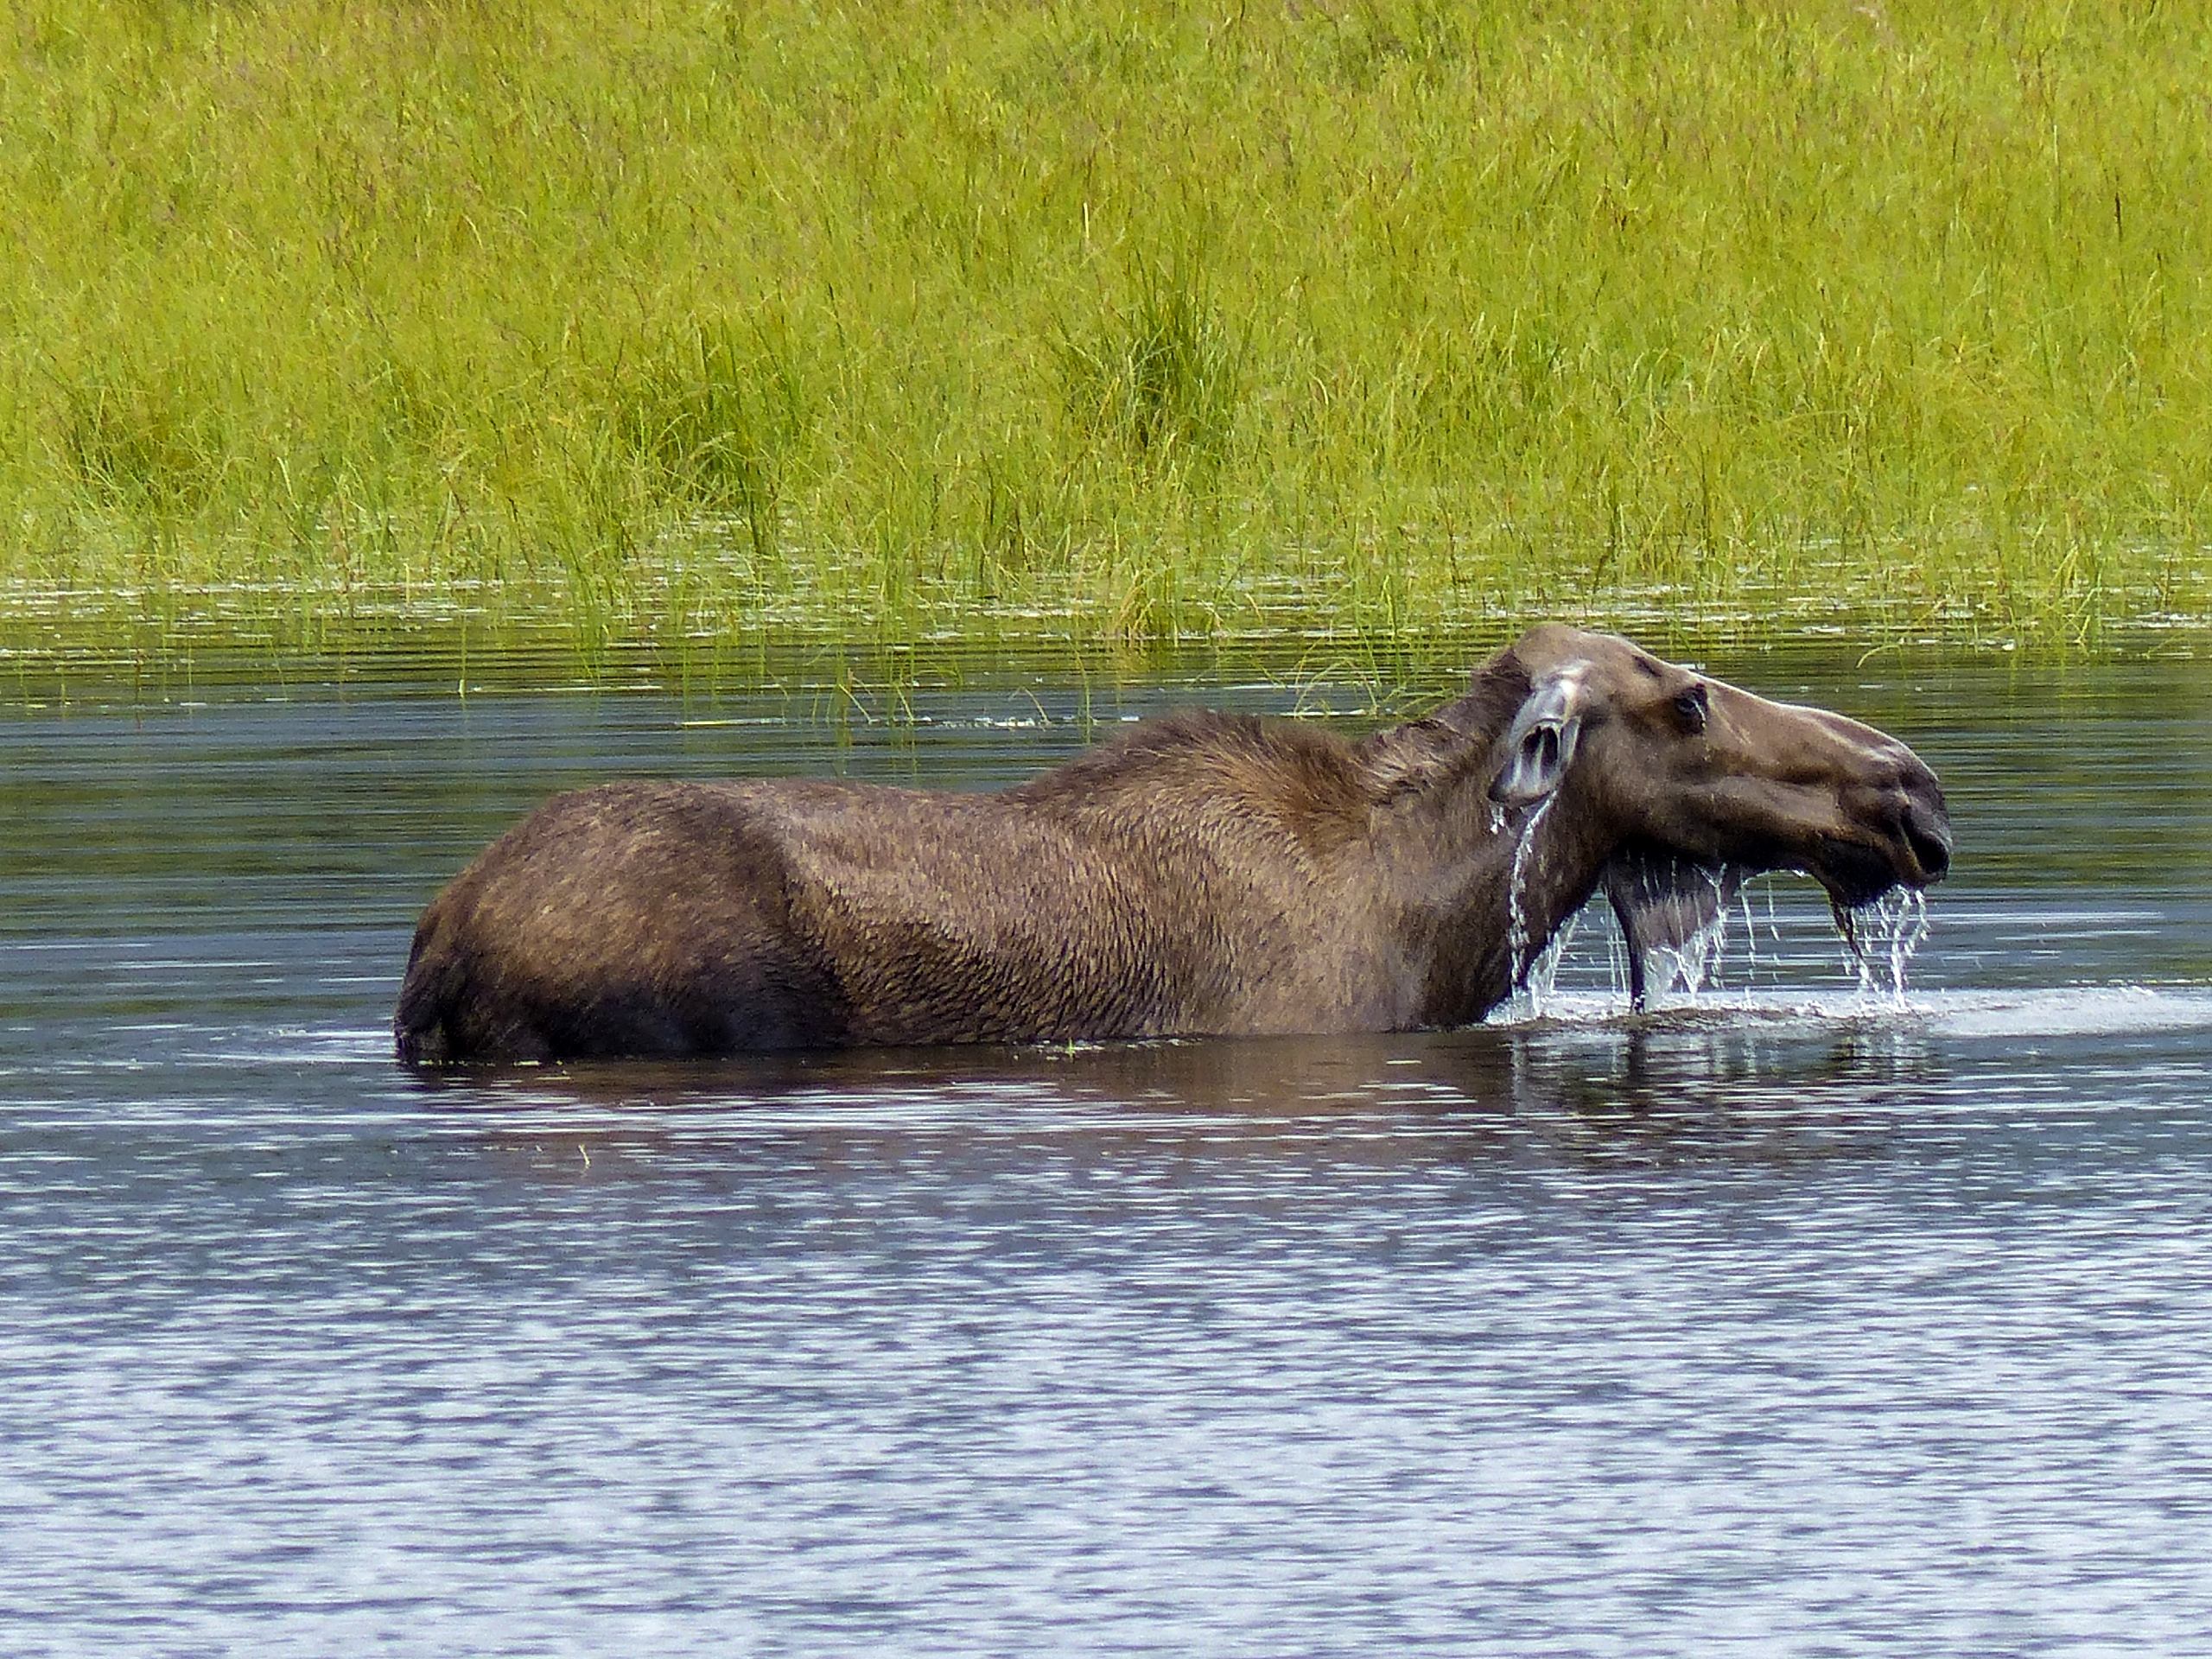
(1516, 934)
(1695, 962)
(1688, 966)
(1750, 935)
(1541, 980)
(1879, 938)
(1884, 935)
(1673, 923)
(1725, 955)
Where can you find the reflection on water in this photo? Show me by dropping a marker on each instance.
(1787, 1319)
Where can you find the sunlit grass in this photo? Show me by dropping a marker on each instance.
(1126, 320)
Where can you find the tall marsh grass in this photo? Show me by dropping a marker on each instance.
(1124, 318)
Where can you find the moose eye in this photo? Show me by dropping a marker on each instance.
(1690, 706)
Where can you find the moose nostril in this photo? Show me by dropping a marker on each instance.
(1930, 844)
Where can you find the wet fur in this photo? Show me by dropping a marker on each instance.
(1203, 873)
(1132, 892)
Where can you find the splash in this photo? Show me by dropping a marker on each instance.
(1884, 935)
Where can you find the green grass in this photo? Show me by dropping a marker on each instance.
(669, 321)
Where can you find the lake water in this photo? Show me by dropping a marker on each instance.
(1789, 1319)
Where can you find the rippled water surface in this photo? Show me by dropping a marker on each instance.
(1787, 1319)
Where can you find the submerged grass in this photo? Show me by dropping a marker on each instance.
(1124, 320)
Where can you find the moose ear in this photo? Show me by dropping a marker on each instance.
(1541, 745)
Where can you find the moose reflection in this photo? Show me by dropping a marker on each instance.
(1201, 874)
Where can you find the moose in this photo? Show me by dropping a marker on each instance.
(1201, 874)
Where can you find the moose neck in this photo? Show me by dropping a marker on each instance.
(1482, 890)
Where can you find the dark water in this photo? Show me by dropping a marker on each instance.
(1790, 1320)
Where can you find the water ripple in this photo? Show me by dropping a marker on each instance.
(1783, 1319)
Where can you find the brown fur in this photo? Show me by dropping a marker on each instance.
(1204, 873)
